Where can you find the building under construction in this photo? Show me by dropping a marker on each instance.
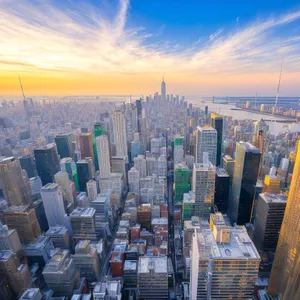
(153, 277)
(23, 219)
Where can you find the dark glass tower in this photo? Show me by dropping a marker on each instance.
(222, 190)
(84, 172)
(217, 123)
(28, 164)
(243, 183)
(64, 145)
(47, 162)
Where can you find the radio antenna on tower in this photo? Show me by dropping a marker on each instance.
(278, 87)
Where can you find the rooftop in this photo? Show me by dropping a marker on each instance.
(6, 159)
(56, 230)
(222, 172)
(15, 208)
(49, 187)
(57, 261)
(240, 246)
(274, 198)
(47, 147)
(130, 265)
(206, 128)
(156, 264)
(30, 294)
(228, 157)
(83, 212)
(249, 147)
(159, 221)
(5, 254)
(39, 243)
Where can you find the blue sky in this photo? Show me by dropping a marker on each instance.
(231, 46)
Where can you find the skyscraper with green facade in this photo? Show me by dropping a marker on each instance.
(98, 131)
(181, 182)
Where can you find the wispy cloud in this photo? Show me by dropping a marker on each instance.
(36, 35)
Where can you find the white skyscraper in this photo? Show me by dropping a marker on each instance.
(131, 121)
(62, 179)
(206, 141)
(119, 129)
(134, 181)
(52, 197)
(91, 188)
(204, 177)
(103, 156)
(140, 165)
(162, 166)
(163, 90)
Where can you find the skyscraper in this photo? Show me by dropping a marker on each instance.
(119, 130)
(181, 182)
(204, 176)
(178, 149)
(64, 145)
(217, 123)
(243, 183)
(163, 90)
(62, 179)
(222, 190)
(15, 187)
(285, 274)
(86, 145)
(103, 156)
(98, 129)
(206, 141)
(84, 172)
(131, 121)
(47, 162)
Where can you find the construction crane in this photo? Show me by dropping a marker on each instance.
(278, 87)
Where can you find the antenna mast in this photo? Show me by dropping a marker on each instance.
(21, 87)
(278, 87)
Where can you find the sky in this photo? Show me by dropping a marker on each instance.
(208, 48)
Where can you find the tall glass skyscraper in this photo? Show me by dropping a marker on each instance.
(217, 123)
(47, 162)
(243, 183)
(285, 275)
(64, 145)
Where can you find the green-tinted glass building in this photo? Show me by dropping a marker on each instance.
(181, 182)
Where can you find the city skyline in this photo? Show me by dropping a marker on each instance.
(124, 47)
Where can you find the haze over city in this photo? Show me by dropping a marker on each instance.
(125, 47)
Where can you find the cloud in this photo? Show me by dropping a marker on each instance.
(81, 38)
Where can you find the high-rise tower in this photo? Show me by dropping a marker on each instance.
(163, 90)
(103, 156)
(285, 275)
(16, 189)
(119, 129)
(217, 123)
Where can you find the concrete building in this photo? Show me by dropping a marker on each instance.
(62, 179)
(162, 166)
(9, 239)
(269, 215)
(178, 150)
(140, 165)
(23, 219)
(153, 277)
(119, 131)
(16, 188)
(110, 290)
(206, 141)
(203, 188)
(91, 188)
(32, 294)
(119, 164)
(60, 274)
(224, 262)
(35, 186)
(151, 164)
(39, 251)
(86, 145)
(131, 121)
(87, 261)
(134, 181)
(103, 155)
(59, 236)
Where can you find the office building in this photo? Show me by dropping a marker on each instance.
(47, 162)
(103, 155)
(224, 263)
(91, 188)
(163, 91)
(162, 166)
(83, 224)
(178, 149)
(85, 172)
(153, 277)
(17, 274)
(59, 236)
(140, 165)
(87, 261)
(28, 164)
(9, 239)
(119, 131)
(39, 210)
(134, 181)
(32, 294)
(62, 179)
(271, 184)
(119, 164)
(39, 251)
(203, 188)
(217, 124)
(68, 165)
(228, 164)
(135, 147)
(243, 183)
(206, 141)
(131, 121)
(60, 274)
(86, 146)
(109, 290)
(16, 188)
(64, 143)
(269, 215)
(181, 182)
(222, 190)
(151, 165)
(23, 219)
(187, 206)
(130, 273)
(285, 273)
(35, 186)
(53, 204)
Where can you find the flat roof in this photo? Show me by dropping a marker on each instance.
(15, 208)
(6, 159)
(274, 198)
(222, 172)
(39, 243)
(130, 265)
(249, 147)
(240, 246)
(55, 230)
(49, 187)
(47, 147)
(159, 221)
(83, 212)
(158, 264)
(206, 128)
